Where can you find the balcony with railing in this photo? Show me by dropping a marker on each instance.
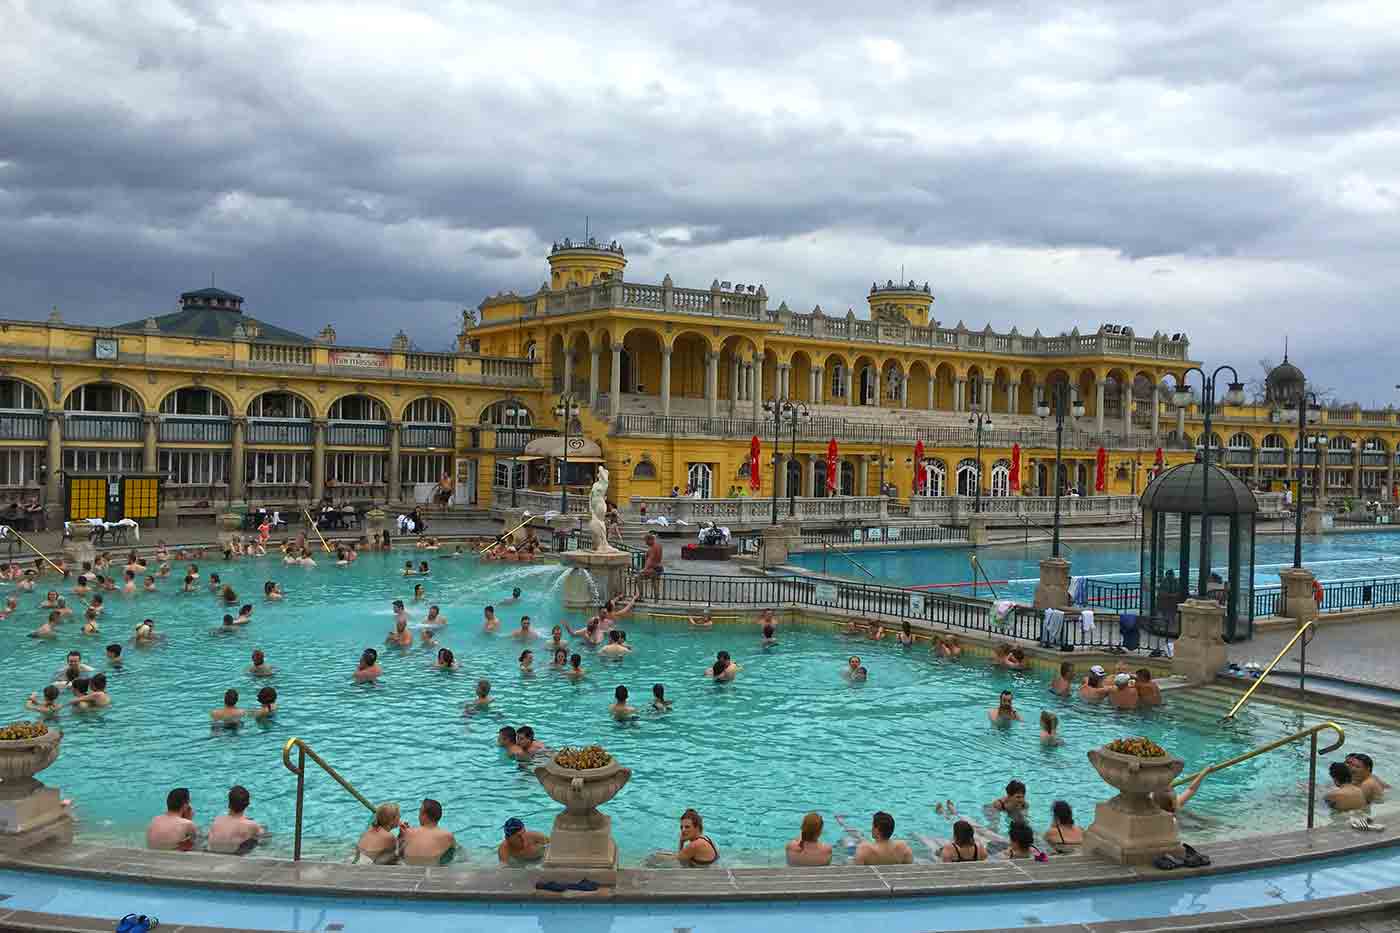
(101, 427)
(357, 434)
(22, 426)
(1240, 456)
(1340, 458)
(1269, 456)
(1374, 458)
(281, 355)
(292, 432)
(426, 435)
(192, 429)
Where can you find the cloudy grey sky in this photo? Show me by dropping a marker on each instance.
(1226, 168)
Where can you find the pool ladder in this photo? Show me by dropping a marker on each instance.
(304, 752)
(1309, 733)
(1305, 632)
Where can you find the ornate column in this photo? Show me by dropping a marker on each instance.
(932, 385)
(711, 384)
(318, 458)
(236, 475)
(1013, 398)
(569, 370)
(875, 387)
(959, 391)
(149, 461)
(809, 482)
(733, 386)
(53, 493)
(756, 376)
(1127, 396)
(780, 480)
(393, 492)
(1254, 452)
(1356, 471)
(1099, 386)
(904, 391)
(595, 363)
(863, 477)
(1156, 415)
(615, 386)
(666, 380)
(814, 376)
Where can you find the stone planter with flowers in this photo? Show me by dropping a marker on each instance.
(30, 811)
(581, 843)
(1132, 827)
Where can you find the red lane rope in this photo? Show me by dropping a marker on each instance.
(939, 586)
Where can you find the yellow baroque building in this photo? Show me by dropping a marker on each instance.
(670, 384)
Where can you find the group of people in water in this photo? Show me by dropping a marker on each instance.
(77, 686)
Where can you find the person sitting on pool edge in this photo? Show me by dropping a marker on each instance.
(1373, 787)
(173, 830)
(1347, 795)
(808, 850)
(427, 843)
(1063, 835)
(1005, 712)
(882, 848)
(520, 844)
(233, 833)
(377, 843)
(964, 847)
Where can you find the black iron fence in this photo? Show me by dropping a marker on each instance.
(1341, 595)
(1268, 601)
(1115, 595)
(886, 534)
(896, 604)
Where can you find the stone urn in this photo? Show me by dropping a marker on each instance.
(21, 759)
(581, 843)
(1130, 828)
(31, 813)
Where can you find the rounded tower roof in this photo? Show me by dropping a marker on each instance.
(1179, 490)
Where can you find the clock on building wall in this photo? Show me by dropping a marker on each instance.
(105, 348)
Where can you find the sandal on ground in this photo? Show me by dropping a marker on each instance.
(1365, 823)
(1194, 859)
(1166, 862)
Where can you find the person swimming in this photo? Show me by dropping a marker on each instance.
(369, 670)
(446, 660)
(659, 703)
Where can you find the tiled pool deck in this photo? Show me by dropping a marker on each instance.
(253, 876)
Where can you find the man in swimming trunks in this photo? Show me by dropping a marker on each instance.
(1092, 690)
(882, 849)
(1373, 787)
(427, 843)
(234, 833)
(1064, 680)
(1347, 795)
(173, 830)
(1005, 711)
(1149, 694)
(521, 844)
(1124, 695)
(524, 632)
(260, 667)
(400, 637)
(490, 623)
(73, 668)
(652, 568)
(229, 712)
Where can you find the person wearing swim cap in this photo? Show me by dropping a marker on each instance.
(521, 844)
(1124, 695)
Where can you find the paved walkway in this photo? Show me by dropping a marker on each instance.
(1365, 651)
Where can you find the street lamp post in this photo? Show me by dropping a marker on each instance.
(1064, 403)
(793, 411)
(980, 420)
(566, 410)
(1233, 396)
(1308, 409)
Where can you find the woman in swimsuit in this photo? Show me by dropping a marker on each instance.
(695, 848)
(964, 847)
(1063, 835)
(378, 844)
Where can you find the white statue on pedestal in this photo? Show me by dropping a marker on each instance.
(598, 511)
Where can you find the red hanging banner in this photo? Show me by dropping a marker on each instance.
(1100, 467)
(755, 471)
(831, 466)
(1014, 481)
(919, 471)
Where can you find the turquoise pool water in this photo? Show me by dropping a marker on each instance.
(1350, 556)
(788, 736)
(1296, 884)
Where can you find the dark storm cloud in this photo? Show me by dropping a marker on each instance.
(334, 162)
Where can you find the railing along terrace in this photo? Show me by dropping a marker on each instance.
(885, 534)
(1114, 595)
(22, 426)
(194, 430)
(824, 428)
(871, 600)
(357, 434)
(751, 305)
(101, 427)
(1341, 595)
(1268, 601)
(280, 354)
(757, 510)
(537, 501)
(293, 433)
(426, 435)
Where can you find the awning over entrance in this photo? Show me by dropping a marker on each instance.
(581, 449)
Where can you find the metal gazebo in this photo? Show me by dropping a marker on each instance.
(1172, 508)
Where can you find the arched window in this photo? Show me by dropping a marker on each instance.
(698, 479)
(358, 408)
(194, 401)
(838, 380)
(935, 478)
(428, 411)
(968, 478)
(1241, 441)
(509, 413)
(644, 469)
(1212, 442)
(19, 396)
(1001, 478)
(282, 405)
(1339, 442)
(1274, 442)
(102, 396)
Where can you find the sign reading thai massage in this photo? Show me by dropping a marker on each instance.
(359, 359)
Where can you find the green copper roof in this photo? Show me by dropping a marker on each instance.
(214, 323)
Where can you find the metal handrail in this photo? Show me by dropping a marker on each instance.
(304, 752)
(1260, 679)
(831, 547)
(1310, 733)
